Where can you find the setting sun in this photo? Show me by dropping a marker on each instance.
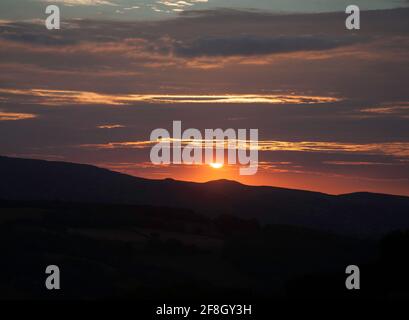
(216, 165)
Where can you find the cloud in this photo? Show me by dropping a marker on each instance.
(399, 109)
(82, 2)
(396, 149)
(205, 40)
(358, 163)
(64, 97)
(14, 116)
(250, 45)
(179, 3)
(110, 126)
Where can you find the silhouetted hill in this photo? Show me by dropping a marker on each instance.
(146, 252)
(153, 253)
(359, 213)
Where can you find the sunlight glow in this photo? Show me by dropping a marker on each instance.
(216, 165)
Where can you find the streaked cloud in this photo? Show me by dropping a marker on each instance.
(396, 109)
(110, 126)
(397, 149)
(81, 2)
(64, 97)
(249, 45)
(14, 116)
(358, 163)
(177, 5)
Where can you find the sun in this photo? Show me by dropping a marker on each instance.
(216, 165)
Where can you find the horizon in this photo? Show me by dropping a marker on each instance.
(210, 181)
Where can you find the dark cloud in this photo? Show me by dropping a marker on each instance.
(249, 45)
(34, 34)
(220, 24)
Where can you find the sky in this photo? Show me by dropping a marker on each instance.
(163, 9)
(331, 105)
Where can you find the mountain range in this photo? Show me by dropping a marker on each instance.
(360, 214)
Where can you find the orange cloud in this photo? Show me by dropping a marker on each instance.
(12, 116)
(110, 126)
(397, 149)
(63, 97)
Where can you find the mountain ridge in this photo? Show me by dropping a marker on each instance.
(217, 181)
(357, 213)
